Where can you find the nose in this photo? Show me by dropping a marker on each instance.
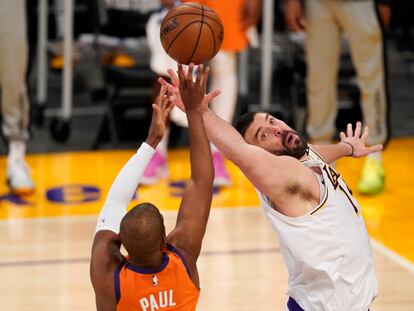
(277, 130)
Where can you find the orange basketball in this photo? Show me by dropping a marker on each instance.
(191, 33)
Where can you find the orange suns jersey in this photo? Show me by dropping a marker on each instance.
(235, 38)
(168, 287)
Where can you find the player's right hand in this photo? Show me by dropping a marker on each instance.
(192, 92)
(294, 15)
(174, 92)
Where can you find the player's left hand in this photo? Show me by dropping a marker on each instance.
(161, 109)
(250, 13)
(358, 141)
(174, 91)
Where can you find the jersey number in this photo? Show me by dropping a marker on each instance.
(334, 178)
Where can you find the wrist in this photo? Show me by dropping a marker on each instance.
(195, 110)
(207, 112)
(349, 147)
(153, 141)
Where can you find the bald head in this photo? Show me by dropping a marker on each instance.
(142, 231)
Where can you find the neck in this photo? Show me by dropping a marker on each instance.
(153, 260)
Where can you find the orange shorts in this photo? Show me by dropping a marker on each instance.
(229, 11)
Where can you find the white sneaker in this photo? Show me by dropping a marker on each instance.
(18, 177)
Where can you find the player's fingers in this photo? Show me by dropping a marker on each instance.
(170, 107)
(368, 150)
(357, 132)
(164, 102)
(205, 77)
(181, 75)
(342, 135)
(155, 109)
(200, 71)
(158, 99)
(164, 90)
(162, 81)
(210, 96)
(364, 136)
(349, 131)
(169, 87)
(163, 93)
(190, 73)
(174, 77)
(375, 148)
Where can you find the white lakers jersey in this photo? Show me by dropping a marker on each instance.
(327, 251)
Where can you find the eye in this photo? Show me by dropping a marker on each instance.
(272, 121)
(264, 136)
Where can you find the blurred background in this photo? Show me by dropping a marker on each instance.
(111, 88)
(86, 69)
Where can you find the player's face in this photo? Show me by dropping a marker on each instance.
(275, 136)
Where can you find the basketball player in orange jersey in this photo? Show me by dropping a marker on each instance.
(322, 235)
(237, 17)
(160, 272)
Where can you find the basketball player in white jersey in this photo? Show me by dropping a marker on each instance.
(322, 234)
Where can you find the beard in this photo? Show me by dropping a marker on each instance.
(297, 149)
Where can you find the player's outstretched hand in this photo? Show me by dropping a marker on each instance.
(161, 109)
(357, 141)
(192, 92)
(174, 91)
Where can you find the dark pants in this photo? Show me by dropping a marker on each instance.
(293, 305)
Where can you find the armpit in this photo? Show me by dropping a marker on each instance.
(294, 189)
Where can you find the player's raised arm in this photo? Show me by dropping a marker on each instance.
(106, 256)
(270, 174)
(195, 205)
(352, 144)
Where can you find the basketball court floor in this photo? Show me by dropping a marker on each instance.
(46, 237)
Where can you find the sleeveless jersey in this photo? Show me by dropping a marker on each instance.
(168, 287)
(327, 251)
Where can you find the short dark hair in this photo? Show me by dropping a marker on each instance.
(142, 230)
(244, 122)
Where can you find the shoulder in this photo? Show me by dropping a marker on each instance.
(177, 256)
(314, 155)
(105, 260)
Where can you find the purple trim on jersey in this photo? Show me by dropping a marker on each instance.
(178, 253)
(293, 305)
(164, 263)
(116, 281)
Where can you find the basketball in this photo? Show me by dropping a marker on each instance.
(191, 33)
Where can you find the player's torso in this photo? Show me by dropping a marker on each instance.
(168, 287)
(327, 251)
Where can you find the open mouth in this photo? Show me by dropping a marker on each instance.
(290, 139)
